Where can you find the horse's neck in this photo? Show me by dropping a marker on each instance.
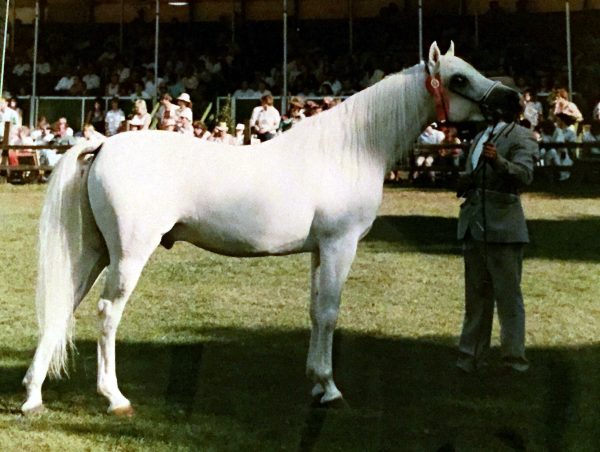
(397, 109)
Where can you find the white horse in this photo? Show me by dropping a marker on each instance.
(315, 189)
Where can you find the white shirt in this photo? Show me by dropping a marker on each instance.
(8, 115)
(113, 121)
(265, 121)
(64, 84)
(431, 136)
(482, 140)
(20, 69)
(92, 81)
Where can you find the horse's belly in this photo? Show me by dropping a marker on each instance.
(245, 235)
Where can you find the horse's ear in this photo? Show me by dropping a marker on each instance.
(450, 51)
(434, 59)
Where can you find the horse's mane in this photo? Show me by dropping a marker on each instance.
(378, 124)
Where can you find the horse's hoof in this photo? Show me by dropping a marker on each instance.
(122, 411)
(317, 390)
(32, 410)
(335, 404)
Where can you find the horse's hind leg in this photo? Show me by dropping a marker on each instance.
(122, 276)
(89, 267)
(330, 270)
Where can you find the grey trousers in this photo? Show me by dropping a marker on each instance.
(495, 279)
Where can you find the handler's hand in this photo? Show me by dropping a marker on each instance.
(489, 152)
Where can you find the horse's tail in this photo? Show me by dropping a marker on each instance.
(65, 222)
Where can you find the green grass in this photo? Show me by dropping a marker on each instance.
(211, 350)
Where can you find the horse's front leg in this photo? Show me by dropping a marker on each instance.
(330, 269)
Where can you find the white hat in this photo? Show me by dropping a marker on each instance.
(222, 126)
(187, 114)
(240, 126)
(185, 97)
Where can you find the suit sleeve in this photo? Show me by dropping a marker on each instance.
(518, 165)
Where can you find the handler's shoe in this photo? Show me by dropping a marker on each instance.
(466, 363)
(519, 365)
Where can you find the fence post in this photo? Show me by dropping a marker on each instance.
(4, 151)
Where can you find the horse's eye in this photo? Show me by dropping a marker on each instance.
(459, 80)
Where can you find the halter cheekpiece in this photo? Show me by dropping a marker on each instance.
(440, 97)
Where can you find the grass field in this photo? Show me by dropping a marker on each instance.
(211, 350)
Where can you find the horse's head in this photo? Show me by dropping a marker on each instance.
(463, 94)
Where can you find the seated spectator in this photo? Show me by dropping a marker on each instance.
(14, 104)
(138, 92)
(113, 87)
(591, 134)
(265, 119)
(596, 112)
(64, 84)
(220, 134)
(184, 122)
(140, 112)
(245, 92)
(91, 79)
(21, 68)
(114, 117)
(311, 108)
(239, 138)
(135, 123)
(549, 133)
(168, 125)
(200, 130)
(63, 134)
(451, 156)
(184, 105)
(43, 66)
(89, 134)
(426, 157)
(78, 88)
(294, 115)
(96, 115)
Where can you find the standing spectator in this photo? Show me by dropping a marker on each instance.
(96, 115)
(184, 105)
(532, 108)
(265, 119)
(114, 118)
(167, 110)
(563, 105)
(7, 114)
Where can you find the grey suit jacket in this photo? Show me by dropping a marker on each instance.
(505, 220)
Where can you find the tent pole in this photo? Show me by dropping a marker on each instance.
(33, 100)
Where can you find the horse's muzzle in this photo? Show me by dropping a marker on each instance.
(501, 102)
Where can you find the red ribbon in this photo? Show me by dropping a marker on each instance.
(436, 89)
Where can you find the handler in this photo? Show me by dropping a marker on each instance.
(492, 226)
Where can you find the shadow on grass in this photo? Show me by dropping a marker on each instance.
(575, 240)
(245, 389)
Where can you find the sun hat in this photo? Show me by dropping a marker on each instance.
(222, 126)
(185, 97)
(240, 126)
(187, 114)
